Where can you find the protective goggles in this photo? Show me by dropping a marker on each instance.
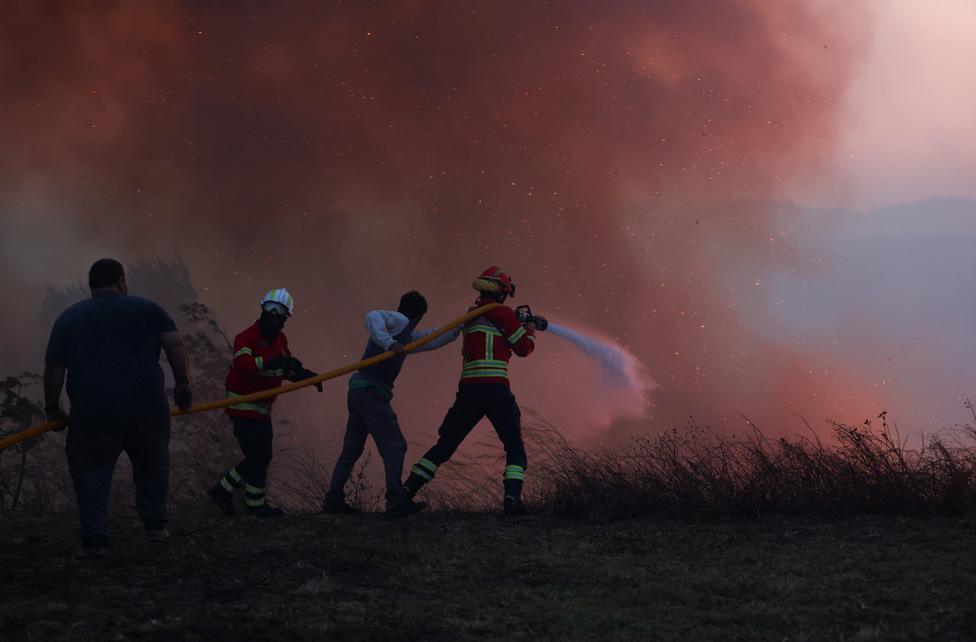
(274, 308)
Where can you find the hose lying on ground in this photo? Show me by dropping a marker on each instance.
(39, 429)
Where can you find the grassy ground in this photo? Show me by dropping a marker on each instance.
(445, 576)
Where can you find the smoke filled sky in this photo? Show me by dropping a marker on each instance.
(693, 181)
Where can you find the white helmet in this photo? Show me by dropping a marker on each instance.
(278, 302)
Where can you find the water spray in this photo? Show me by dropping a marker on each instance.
(619, 365)
(623, 368)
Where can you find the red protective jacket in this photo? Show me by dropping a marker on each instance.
(489, 341)
(248, 374)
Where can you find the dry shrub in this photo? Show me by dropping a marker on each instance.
(33, 477)
(697, 471)
(693, 472)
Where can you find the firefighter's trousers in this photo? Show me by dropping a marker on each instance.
(475, 401)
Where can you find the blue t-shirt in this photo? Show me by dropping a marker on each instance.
(111, 346)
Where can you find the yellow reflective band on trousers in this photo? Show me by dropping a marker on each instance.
(253, 496)
(513, 471)
(231, 480)
(425, 468)
(261, 407)
(243, 351)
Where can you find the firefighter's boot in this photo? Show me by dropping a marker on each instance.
(222, 492)
(405, 507)
(264, 511)
(256, 505)
(512, 504)
(413, 485)
(420, 473)
(223, 498)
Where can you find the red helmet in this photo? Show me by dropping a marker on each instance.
(494, 281)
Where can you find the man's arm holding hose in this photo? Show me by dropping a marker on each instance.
(55, 368)
(176, 355)
(53, 384)
(439, 342)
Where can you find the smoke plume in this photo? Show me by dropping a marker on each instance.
(615, 157)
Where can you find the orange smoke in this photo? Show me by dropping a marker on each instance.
(612, 156)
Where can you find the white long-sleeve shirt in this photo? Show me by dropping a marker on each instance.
(383, 325)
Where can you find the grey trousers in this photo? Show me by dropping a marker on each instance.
(370, 414)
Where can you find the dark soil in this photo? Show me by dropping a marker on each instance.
(449, 576)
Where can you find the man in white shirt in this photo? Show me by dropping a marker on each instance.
(370, 412)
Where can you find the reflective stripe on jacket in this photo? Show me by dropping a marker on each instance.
(248, 373)
(489, 342)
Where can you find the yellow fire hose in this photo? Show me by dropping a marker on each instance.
(39, 429)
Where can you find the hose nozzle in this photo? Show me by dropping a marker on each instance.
(524, 314)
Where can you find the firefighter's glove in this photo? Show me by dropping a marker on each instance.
(301, 374)
(292, 367)
(308, 374)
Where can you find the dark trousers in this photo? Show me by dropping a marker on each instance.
(473, 402)
(94, 443)
(255, 437)
(370, 414)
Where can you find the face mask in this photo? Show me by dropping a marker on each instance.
(271, 324)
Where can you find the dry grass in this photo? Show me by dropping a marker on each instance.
(692, 473)
(862, 470)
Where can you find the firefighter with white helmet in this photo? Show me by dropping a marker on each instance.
(261, 361)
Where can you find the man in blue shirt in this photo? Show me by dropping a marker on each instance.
(370, 412)
(108, 346)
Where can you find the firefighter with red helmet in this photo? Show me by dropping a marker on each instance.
(483, 390)
(261, 361)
